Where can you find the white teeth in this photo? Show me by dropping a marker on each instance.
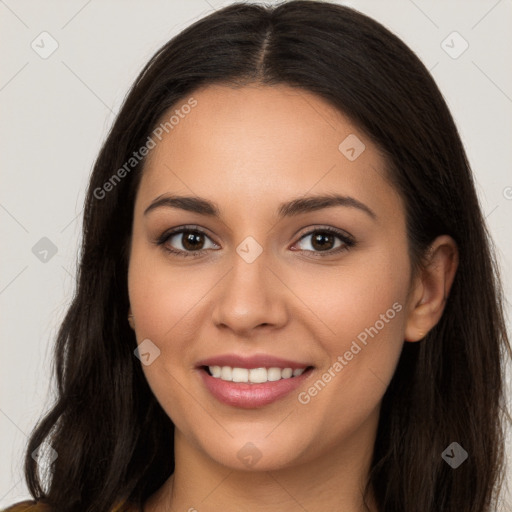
(226, 373)
(215, 370)
(254, 375)
(240, 375)
(258, 375)
(273, 374)
(286, 373)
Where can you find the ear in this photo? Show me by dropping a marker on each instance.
(431, 288)
(131, 320)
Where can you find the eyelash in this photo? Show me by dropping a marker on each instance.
(348, 242)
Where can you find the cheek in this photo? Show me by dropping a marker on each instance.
(161, 296)
(363, 298)
(161, 312)
(363, 316)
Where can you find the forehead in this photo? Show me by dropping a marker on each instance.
(263, 144)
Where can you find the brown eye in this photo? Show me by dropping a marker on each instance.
(192, 240)
(326, 240)
(186, 242)
(323, 241)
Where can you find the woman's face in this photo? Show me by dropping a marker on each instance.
(256, 281)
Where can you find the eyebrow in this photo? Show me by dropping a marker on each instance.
(288, 209)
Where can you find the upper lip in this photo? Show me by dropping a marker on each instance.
(254, 361)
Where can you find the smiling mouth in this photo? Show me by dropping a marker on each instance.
(259, 375)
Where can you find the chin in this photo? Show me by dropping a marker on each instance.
(257, 453)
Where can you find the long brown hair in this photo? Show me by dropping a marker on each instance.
(112, 437)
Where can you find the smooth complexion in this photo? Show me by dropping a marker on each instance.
(248, 150)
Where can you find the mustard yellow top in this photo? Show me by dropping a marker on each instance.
(33, 506)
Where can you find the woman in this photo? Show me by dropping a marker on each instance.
(286, 298)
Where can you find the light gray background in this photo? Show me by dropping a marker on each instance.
(57, 111)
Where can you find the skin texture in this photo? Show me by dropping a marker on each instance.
(248, 149)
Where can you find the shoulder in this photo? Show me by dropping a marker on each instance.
(34, 506)
(28, 506)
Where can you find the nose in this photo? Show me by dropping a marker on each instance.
(250, 297)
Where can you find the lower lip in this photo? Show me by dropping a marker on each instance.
(251, 396)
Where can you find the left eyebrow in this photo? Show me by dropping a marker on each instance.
(291, 208)
(313, 203)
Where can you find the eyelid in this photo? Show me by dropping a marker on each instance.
(161, 239)
(347, 241)
(309, 230)
(346, 238)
